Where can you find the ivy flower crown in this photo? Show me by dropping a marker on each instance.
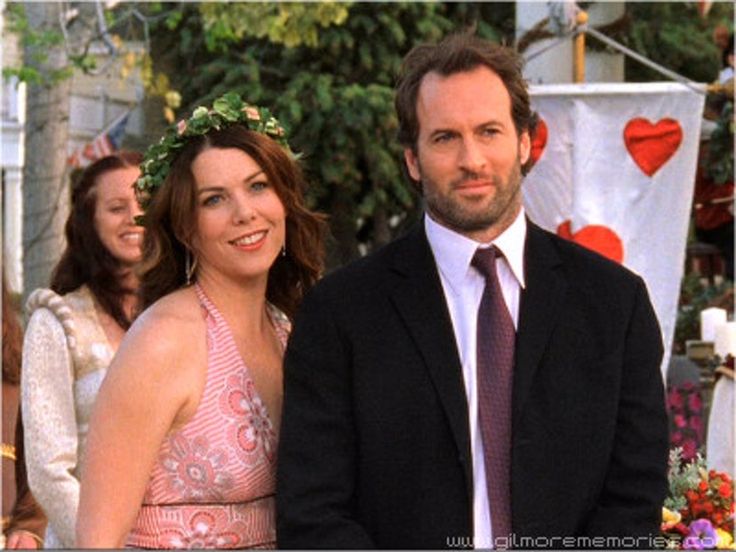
(226, 111)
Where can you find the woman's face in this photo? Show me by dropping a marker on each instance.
(115, 209)
(240, 220)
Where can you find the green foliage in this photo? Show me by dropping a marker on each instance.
(290, 24)
(674, 35)
(720, 152)
(333, 88)
(682, 476)
(37, 43)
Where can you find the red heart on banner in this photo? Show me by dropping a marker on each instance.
(652, 145)
(600, 239)
(539, 140)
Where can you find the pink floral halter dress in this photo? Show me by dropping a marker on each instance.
(214, 481)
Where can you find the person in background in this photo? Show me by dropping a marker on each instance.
(23, 521)
(182, 444)
(726, 73)
(75, 327)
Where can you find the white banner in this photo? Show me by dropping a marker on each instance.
(615, 172)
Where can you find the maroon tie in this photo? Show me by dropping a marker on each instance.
(495, 361)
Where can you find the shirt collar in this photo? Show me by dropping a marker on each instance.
(454, 252)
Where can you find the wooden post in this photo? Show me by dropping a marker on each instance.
(579, 55)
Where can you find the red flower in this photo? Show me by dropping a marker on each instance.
(725, 490)
(703, 486)
(718, 519)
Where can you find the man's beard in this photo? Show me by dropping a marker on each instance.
(464, 217)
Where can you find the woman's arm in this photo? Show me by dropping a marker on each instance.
(47, 397)
(154, 383)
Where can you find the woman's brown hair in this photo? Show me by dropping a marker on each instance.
(171, 218)
(86, 260)
(12, 338)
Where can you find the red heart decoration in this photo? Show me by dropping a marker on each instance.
(539, 140)
(600, 239)
(652, 145)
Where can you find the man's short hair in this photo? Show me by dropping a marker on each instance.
(458, 53)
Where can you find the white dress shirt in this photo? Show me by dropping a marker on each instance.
(463, 286)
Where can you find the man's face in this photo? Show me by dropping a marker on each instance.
(468, 154)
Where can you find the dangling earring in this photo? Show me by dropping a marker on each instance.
(190, 266)
(283, 250)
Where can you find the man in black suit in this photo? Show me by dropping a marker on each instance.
(434, 402)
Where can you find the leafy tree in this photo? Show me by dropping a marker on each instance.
(327, 70)
(675, 36)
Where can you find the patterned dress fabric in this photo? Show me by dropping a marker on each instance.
(65, 358)
(214, 481)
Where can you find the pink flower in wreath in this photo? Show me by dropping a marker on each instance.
(196, 472)
(204, 530)
(252, 113)
(181, 127)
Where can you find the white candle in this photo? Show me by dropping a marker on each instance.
(710, 319)
(725, 342)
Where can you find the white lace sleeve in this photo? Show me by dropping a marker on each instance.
(49, 420)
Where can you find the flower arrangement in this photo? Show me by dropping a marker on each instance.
(698, 513)
(685, 409)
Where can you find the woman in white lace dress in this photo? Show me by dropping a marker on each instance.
(74, 330)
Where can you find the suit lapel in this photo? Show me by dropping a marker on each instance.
(541, 302)
(420, 301)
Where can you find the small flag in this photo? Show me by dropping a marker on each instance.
(105, 143)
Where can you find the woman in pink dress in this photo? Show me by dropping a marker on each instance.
(182, 443)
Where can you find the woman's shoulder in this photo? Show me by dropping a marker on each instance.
(170, 325)
(43, 298)
(48, 309)
(74, 312)
(72, 304)
(178, 307)
(166, 347)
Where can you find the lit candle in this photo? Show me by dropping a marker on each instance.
(710, 319)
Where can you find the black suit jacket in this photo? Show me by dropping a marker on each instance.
(375, 446)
